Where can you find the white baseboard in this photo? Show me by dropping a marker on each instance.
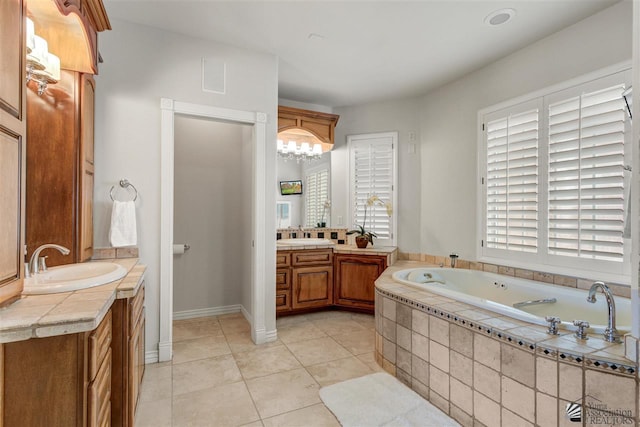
(211, 311)
(151, 357)
(246, 314)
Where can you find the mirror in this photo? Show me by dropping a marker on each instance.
(308, 209)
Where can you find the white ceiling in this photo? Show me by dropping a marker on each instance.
(368, 50)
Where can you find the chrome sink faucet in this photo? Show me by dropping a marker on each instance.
(35, 256)
(610, 333)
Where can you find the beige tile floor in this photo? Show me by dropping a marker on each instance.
(218, 377)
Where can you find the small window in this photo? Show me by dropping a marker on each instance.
(317, 195)
(373, 169)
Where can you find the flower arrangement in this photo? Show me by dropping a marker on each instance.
(326, 207)
(365, 237)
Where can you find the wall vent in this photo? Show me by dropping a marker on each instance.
(213, 75)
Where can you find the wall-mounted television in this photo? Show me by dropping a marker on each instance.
(288, 188)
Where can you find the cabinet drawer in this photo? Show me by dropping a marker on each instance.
(99, 395)
(283, 279)
(283, 301)
(99, 344)
(312, 257)
(136, 304)
(283, 259)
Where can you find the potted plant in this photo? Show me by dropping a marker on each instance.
(364, 237)
(327, 205)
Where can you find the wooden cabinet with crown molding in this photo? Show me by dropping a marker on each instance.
(60, 132)
(320, 125)
(12, 148)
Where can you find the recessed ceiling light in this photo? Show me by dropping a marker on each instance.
(499, 17)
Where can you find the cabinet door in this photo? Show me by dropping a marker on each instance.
(355, 279)
(87, 105)
(312, 287)
(10, 214)
(99, 394)
(12, 53)
(136, 367)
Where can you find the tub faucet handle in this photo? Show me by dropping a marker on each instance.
(582, 325)
(553, 324)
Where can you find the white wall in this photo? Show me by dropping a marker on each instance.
(437, 185)
(449, 124)
(141, 65)
(209, 194)
(397, 115)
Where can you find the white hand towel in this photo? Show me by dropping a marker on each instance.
(123, 224)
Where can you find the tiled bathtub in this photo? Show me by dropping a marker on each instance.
(485, 369)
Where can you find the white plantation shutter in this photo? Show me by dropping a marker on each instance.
(554, 186)
(317, 193)
(373, 172)
(512, 182)
(586, 175)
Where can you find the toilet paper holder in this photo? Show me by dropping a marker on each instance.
(181, 248)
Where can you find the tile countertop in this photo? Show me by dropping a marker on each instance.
(38, 316)
(342, 249)
(595, 348)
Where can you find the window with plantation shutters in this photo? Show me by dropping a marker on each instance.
(554, 182)
(512, 182)
(317, 193)
(373, 173)
(586, 175)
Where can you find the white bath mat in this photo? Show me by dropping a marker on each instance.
(381, 400)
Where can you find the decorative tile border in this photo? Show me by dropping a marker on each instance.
(601, 364)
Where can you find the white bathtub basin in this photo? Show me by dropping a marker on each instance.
(499, 293)
(303, 242)
(73, 277)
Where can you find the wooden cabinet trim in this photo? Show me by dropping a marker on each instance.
(321, 125)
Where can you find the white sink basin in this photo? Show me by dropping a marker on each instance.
(302, 242)
(73, 277)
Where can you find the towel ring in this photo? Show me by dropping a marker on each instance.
(124, 183)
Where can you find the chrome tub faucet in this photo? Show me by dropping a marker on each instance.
(610, 333)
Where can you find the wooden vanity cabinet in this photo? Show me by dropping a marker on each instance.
(355, 277)
(12, 147)
(311, 278)
(128, 357)
(60, 133)
(64, 380)
(304, 280)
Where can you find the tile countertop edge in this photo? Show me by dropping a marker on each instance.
(385, 285)
(342, 249)
(37, 327)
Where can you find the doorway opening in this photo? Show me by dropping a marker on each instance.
(257, 303)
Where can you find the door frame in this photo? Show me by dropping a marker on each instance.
(261, 293)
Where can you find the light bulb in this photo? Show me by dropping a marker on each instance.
(31, 42)
(305, 149)
(317, 149)
(292, 147)
(53, 67)
(280, 146)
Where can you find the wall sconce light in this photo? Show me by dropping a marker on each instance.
(304, 152)
(42, 67)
